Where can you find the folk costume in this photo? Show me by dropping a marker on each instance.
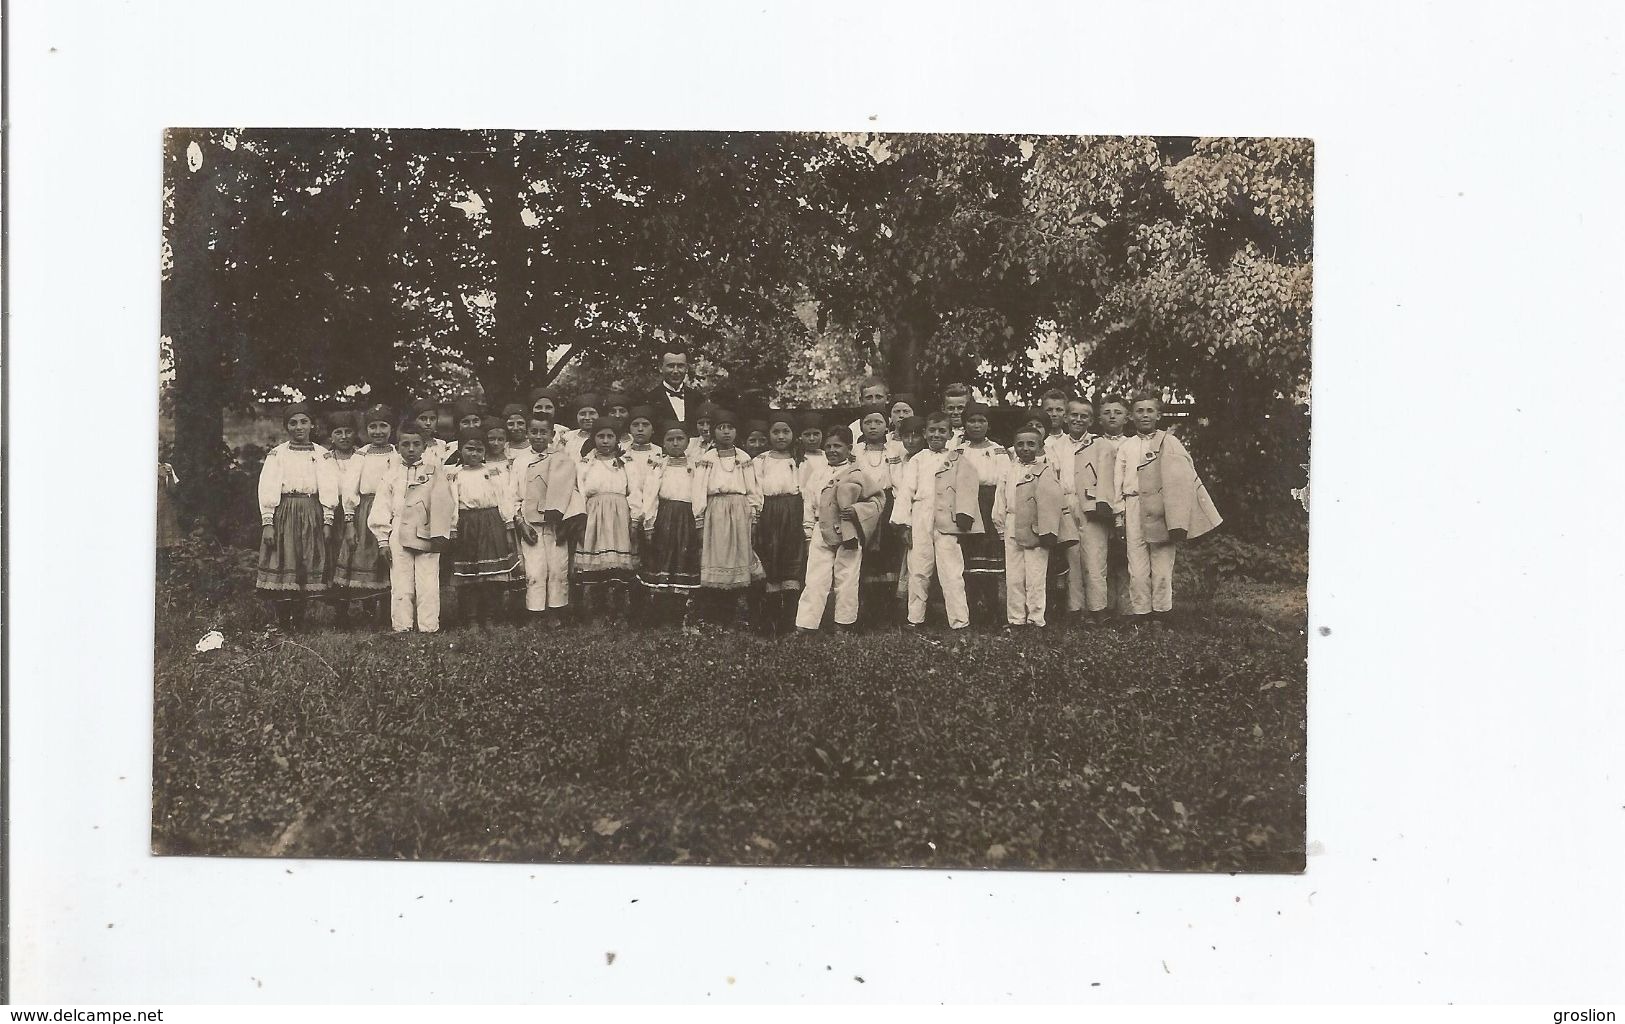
(483, 549)
(835, 545)
(779, 542)
(298, 497)
(1091, 485)
(727, 500)
(984, 551)
(671, 550)
(606, 553)
(881, 465)
(413, 514)
(545, 499)
(1164, 503)
(937, 500)
(1031, 513)
(359, 566)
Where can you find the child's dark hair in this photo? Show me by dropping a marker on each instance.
(841, 431)
(1111, 398)
(1146, 395)
(604, 423)
(938, 416)
(1053, 393)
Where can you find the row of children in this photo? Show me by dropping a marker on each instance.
(635, 509)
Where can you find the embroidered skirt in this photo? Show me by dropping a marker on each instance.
(483, 551)
(780, 545)
(295, 561)
(671, 556)
(984, 552)
(727, 561)
(358, 565)
(605, 552)
(883, 555)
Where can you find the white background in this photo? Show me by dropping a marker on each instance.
(1467, 780)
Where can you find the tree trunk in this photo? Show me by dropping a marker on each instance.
(510, 367)
(190, 316)
(916, 322)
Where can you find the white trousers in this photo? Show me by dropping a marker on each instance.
(414, 588)
(1086, 585)
(930, 551)
(1026, 573)
(547, 570)
(1150, 566)
(829, 569)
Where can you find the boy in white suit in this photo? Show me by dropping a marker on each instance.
(412, 517)
(1164, 504)
(936, 503)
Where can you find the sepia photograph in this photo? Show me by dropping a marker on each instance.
(866, 499)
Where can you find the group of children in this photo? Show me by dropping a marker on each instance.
(627, 515)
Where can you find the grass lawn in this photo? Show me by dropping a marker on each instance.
(1174, 749)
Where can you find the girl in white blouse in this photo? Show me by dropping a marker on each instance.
(485, 559)
(727, 501)
(298, 494)
(779, 543)
(361, 575)
(605, 554)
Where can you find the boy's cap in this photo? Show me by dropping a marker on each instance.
(721, 416)
(296, 409)
(466, 406)
(641, 412)
(470, 435)
(587, 400)
(490, 423)
(537, 394)
(911, 425)
(379, 414)
(423, 405)
(668, 425)
(514, 409)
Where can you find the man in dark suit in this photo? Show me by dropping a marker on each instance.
(675, 398)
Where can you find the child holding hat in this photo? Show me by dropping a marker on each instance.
(1030, 514)
(841, 514)
(411, 518)
(1164, 504)
(547, 506)
(936, 505)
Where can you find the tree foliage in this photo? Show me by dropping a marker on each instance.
(426, 262)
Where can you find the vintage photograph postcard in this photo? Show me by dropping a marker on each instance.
(775, 498)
